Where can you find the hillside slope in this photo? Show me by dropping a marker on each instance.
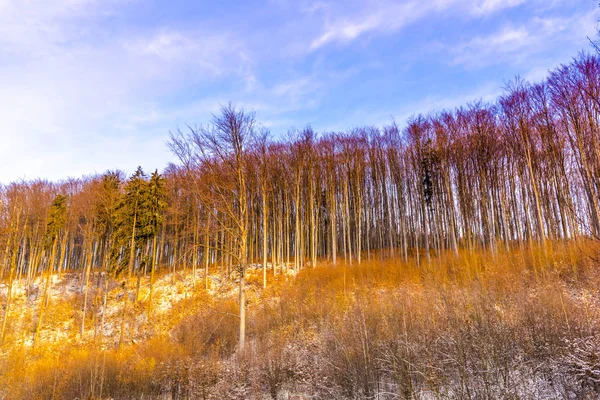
(521, 324)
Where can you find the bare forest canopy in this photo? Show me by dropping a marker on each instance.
(494, 176)
(526, 167)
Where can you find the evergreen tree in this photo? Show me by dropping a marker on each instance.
(131, 219)
(106, 205)
(131, 216)
(155, 213)
(57, 219)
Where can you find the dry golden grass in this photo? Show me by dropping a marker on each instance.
(511, 324)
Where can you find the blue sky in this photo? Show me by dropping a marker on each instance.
(91, 85)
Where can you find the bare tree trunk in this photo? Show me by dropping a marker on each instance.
(13, 266)
(264, 237)
(44, 300)
(88, 268)
(152, 269)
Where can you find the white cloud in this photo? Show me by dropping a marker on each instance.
(518, 44)
(216, 54)
(82, 94)
(390, 16)
(69, 89)
(486, 7)
(383, 17)
(508, 40)
(38, 28)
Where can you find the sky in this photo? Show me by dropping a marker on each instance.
(92, 85)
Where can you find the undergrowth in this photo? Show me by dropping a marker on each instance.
(509, 324)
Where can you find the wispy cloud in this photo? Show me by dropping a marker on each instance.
(390, 16)
(217, 54)
(517, 44)
(486, 7)
(384, 17)
(37, 28)
(88, 85)
(66, 84)
(508, 40)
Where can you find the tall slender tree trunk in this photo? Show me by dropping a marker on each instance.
(13, 266)
(88, 268)
(264, 237)
(43, 304)
(152, 269)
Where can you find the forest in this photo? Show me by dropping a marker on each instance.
(453, 257)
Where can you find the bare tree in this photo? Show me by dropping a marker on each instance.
(218, 154)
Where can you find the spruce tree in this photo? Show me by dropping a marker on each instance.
(155, 211)
(131, 218)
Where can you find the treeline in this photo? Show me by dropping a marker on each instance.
(525, 168)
